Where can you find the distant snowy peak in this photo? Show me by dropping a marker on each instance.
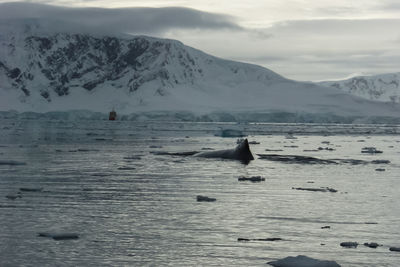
(384, 87)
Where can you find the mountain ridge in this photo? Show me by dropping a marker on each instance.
(45, 71)
(383, 87)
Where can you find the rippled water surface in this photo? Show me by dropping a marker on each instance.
(131, 206)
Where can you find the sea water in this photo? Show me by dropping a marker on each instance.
(131, 205)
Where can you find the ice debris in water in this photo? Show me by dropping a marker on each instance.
(380, 161)
(349, 244)
(12, 162)
(303, 261)
(205, 199)
(370, 150)
(127, 168)
(259, 239)
(253, 179)
(322, 189)
(14, 196)
(295, 159)
(30, 189)
(371, 245)
(59, 236)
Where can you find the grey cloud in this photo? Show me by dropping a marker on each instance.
(336, 26)
(132, 20)
(390, 5)
(330, 48)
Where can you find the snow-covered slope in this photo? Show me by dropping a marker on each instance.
(56, 71)
(384, 87)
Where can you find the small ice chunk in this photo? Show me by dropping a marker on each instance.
(65, 236)
(371, 245)
(253, 179)
(349, 244)
(370, 150)
(271, 239)
(302, 261)
(322, 189)
(30, 189)
(205, 199)
(59, 236)
(13, 196)
(12, 162)
(380, 161)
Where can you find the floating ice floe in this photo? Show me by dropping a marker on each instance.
(303, 261)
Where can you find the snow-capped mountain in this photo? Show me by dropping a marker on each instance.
(56, 71)
(384, 87)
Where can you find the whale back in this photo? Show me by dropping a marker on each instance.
(241, 152)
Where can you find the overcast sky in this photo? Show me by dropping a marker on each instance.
(299, 39)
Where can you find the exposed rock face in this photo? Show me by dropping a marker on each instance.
(58, 63)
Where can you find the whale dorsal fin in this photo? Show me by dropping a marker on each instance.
(242, 151)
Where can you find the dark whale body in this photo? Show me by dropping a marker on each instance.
(241, 152)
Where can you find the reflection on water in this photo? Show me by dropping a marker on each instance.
(131, 203)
